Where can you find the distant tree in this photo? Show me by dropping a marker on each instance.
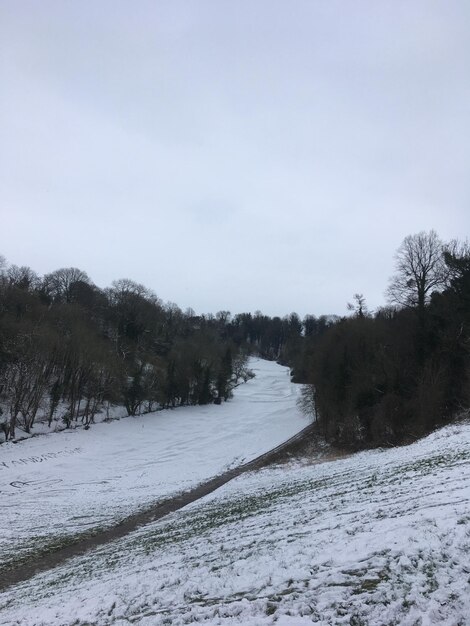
(294, 325)
(420, 270)
(240, 367)
(58, 285)
(86, 294)
(310, 325)
(224, 376)
(124, 287)
(223, 317)
(359, 308)
(22, 277)
(205, 393)
(456, 257)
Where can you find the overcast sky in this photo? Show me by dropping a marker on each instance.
(235, 155)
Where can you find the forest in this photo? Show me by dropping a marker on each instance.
(68, 349)
(389, 377)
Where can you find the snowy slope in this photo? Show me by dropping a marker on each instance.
(379, 538)
(57, 485)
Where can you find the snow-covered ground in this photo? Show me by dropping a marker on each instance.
(379, 538)
(55, 486)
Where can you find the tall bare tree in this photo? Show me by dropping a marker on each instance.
(420, 270)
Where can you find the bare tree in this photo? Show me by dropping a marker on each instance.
(223, 317)
(420, 270)
(360, 307)
(125, 287)
(23, 277)
(59, 284)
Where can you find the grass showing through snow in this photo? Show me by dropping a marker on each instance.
(380, 538)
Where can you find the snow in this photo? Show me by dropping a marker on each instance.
(378, 538)
(55, 486)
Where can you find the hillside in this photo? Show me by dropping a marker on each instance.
(381, 537)
(54, 487)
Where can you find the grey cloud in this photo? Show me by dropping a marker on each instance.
(241, 156)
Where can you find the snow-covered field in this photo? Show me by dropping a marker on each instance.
(55, 486)
(378, 538)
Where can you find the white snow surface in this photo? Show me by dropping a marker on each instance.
(57, 485)
(379, 538)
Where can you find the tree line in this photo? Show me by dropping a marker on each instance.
(68, 349)
(389, 377)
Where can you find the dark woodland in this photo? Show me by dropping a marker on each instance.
(68, 349)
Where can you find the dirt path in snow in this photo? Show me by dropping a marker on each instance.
(300, 443)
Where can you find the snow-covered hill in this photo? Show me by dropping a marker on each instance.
(379, 538)
(55, 486)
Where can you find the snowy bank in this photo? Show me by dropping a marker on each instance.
(380, 538)
(55, 486)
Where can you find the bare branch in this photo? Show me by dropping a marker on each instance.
(420, 270)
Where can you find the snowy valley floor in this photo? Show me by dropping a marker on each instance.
(56, 487)
(379, 538)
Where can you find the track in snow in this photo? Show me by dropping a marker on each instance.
(157, 511)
